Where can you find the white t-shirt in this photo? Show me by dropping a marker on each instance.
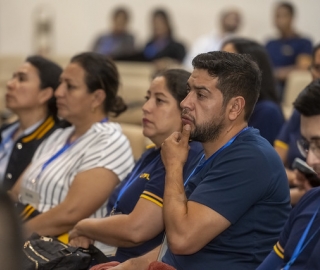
(103, 145)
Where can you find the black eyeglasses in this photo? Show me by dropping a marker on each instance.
(305, 146)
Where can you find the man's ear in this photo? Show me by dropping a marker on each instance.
(45, 94)
(236, 107)
(99, 97)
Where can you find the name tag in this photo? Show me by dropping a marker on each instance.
(30, 196)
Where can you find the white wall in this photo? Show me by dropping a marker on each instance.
(77, 22)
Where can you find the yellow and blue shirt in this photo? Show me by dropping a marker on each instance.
(147, 183)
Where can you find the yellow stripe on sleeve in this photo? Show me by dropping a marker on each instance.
(151, 200)
(278, 250)
(281, 144)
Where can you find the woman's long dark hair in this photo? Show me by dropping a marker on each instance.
(259, 54)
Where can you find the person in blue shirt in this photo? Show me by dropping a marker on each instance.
(299, 246)
(118, 42)
(267, 115)
(290, 50)
(134, 222)
(286, 141)
(229, 213)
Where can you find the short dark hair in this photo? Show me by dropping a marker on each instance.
(176, 82)
(102, 73)
(307, 103)
(49, 75)
(238, 75)
(288, 6)
(259, 54)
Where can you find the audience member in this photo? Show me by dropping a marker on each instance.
(290, 50)
(118, 42)
(10, 235)
(140, 226)
(163, 43)
(286, 142)
(75, 170)
(232, 209)
(230, 21)
(30, 95)
(267, 114)
(162, 48)
(298, 245)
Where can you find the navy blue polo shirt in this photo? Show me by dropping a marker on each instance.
(246, 183)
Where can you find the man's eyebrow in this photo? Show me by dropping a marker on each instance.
(315, 138)
(198, 87)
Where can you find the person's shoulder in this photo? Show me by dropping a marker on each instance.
(251, 143)
(272, 41)
(311, 195)
(309, 200)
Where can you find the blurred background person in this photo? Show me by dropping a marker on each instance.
(286, 141)
(75, 170)
(30, 96)
(289, 50)
(267, 114)
(118, 42)
(11, 239)
(230, 22)
(162, 48)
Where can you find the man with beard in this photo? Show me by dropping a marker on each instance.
(299, 246)
(230, 211)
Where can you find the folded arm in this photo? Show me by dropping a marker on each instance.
(142, 224)
(89, 190)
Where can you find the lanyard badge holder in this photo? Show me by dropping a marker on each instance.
(30, 195)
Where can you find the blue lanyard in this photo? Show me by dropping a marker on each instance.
(61, 151)
(301, 245)
(130, 182)
(203, 164)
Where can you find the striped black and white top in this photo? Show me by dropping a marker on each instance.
(103, 145)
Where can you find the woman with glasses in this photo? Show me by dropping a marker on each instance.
(73, 172)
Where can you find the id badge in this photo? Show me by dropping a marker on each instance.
(30, 196)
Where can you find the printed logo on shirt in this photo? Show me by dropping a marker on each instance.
(145, 176)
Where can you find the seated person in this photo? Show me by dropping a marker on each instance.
(286, 141)
(30, 96)
(298, 246)
(10, 235)
(118, 42)
(290, 50)
(229, 213)
(138, 226)
(75, 170)
(162, 47)
(267, 114)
